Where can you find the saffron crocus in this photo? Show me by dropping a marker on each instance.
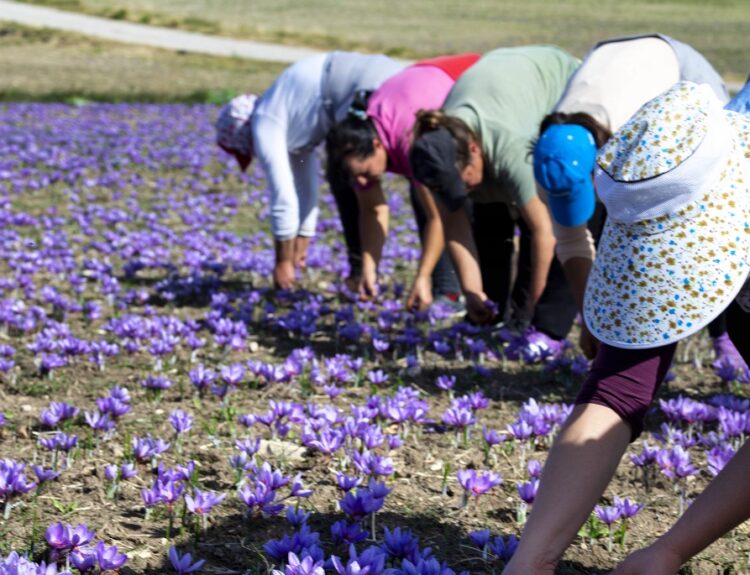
(109, 558)
(377, 377)
(608, 516)
(346, 482)
(627, 510)
(43, 475)
(183, 564)
(445, 382)
(645, 461)
(400, 544)
(202, 378)
(504, 549)
(349, 533)
(717, 458)
(297, 566)
(477, 483)
(527, 493)
(181, 422)
(64, 537)
(202, 502)
(675, 464)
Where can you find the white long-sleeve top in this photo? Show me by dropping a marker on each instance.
(614, 80)
(293, 117)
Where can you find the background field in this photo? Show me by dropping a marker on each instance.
(46, 65)
(426, 27)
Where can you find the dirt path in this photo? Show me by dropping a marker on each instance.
(156, 37)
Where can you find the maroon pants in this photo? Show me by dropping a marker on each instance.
(626, 380)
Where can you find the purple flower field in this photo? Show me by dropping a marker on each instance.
(162, 410)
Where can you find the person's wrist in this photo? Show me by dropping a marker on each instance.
(669, 552)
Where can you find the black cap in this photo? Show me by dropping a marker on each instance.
(433, 162)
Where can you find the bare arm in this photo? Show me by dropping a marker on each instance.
(373, 226)
(538, 220)
(575, 249)
(463, 251)
(433, 244)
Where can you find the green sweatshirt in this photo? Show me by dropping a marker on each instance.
(503, 99)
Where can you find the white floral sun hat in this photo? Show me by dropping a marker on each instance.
(675, 250)
(233, 128)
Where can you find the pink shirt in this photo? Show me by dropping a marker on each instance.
(393, 108)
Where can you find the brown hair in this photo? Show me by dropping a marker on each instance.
(431, 120)
(601, 133)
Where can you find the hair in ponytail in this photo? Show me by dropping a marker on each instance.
(431, 120)
(600, 133)
(354, 135)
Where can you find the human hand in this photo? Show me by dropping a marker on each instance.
(352, 283)
(420, 296)
(477, 308)
(301, 244)
(283, 275)
(368, 284)
(649, 561)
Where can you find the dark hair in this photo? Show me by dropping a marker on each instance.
(431, 120)
(353, 136)
(600, 133)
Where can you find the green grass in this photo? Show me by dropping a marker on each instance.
(51, 66)
(717, 28)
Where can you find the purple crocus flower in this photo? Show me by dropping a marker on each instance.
(527, 491)
(377, 377)
(492, 437)
(44, 475)
(201, 502)
(181, 421)
(477, 484)
(459, 417)
(108, 557)
(627, 508)
(504, 548)
(83, 559)
(346, 482)
(350, 533)
(675, 463)
(717, 458)
(534, 469)
(65, 537)
(112, 406)
(445, 382)
(607, 515)
(248, 446)
(201, 377)
(183, 564)
(297, 566)
(480, 538)
(400, 544)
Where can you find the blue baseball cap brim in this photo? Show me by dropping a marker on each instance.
(564, 160)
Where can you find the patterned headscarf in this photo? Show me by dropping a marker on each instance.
(233, 128)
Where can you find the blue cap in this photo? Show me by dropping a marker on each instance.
(564, 159)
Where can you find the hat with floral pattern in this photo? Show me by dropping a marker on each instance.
(233, 128)
(675, 250)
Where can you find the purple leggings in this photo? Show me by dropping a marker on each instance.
(626, 380)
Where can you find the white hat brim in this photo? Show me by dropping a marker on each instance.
(658, 281)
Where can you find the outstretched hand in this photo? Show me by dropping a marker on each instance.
(649, 561)
(420, 297)
(478, 308)
(283, 275)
